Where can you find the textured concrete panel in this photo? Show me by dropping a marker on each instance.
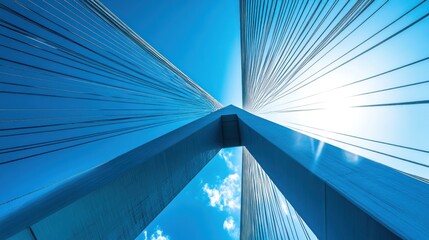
(118, 199)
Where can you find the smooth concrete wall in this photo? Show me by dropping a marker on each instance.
(338, 194)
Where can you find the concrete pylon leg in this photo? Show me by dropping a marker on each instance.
(338, 194)
(118, 199)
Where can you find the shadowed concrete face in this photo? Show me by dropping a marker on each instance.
(118, 199)
(338, 194)
(230, 131)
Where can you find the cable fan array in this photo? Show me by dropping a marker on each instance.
(78, 88)
(351, 73)
(72, 74)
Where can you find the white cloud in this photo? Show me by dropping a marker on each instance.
(213, 194)
(227, 155)
(158, 235)
(229, 224)
(230, 227)
(227, 195)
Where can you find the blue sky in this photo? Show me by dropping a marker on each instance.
(208, 208)
(202, 39)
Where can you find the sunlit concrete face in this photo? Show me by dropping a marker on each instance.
(338, 194)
